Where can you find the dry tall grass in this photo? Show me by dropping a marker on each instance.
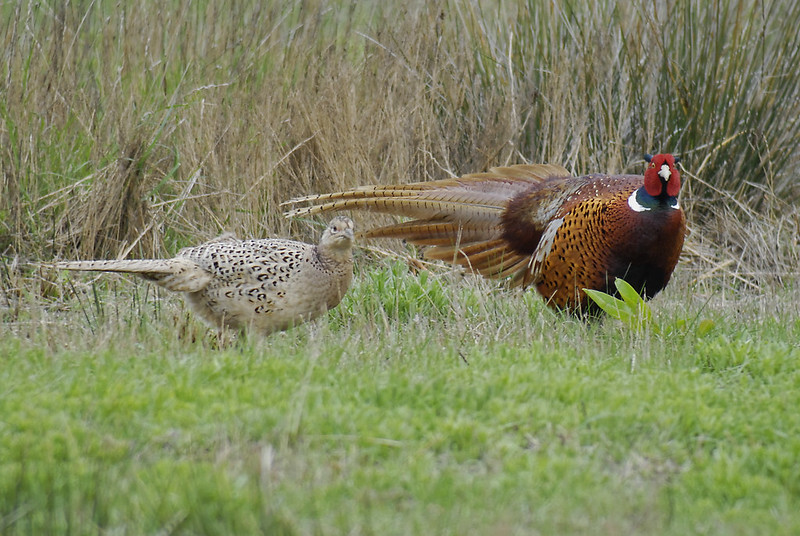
(131, 130)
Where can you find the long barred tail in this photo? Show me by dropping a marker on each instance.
(460, 217)
(177, 274)
(139, 266)
(455, 197)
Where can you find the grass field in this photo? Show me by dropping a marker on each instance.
(423, 405)
(429, 402)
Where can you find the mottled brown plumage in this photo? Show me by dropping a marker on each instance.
(268, 285)
(537, 225)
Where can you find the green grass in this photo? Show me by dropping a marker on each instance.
(439, 405)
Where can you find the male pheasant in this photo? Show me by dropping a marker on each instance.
(537, 225)
(268, 285)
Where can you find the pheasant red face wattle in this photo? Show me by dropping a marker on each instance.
(662, 176)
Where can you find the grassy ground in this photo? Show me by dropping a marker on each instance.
(425, 403)
(432, 404)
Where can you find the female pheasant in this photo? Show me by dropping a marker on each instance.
(268, 284)
(537, 225)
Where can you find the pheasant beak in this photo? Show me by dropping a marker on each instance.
(664, 172)
(345, 236)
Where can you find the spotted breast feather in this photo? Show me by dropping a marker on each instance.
(537, 225)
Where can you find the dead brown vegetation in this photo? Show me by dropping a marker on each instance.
(133, 130)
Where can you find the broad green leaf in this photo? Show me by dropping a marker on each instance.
(631, 310)
(633, 299)
(608, 303)
(705, 326)
(628, 293)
